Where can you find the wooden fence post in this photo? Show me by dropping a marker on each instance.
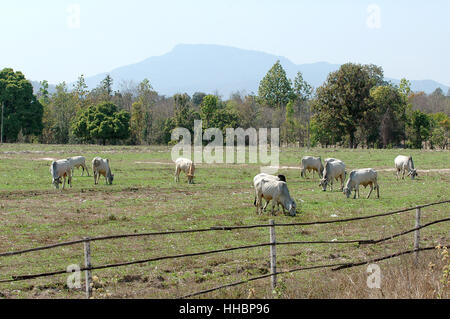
(87, 264)
(273, 254)
(417, 235)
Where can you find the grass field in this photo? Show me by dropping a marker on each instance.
(145, 197)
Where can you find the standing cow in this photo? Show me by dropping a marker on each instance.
(60, 169)
(334, 169)
(310, 163)
(187, 166)
(277, 192)
(259, 177)
(77, 162)
(405, 163)
(101, 166)
(364, 177)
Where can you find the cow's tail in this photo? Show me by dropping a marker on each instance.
(191, 170)
(412, 163)
(54, 170)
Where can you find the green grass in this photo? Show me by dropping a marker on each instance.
(145, 197)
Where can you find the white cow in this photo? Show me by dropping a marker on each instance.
(258, 177)
(364, 177)
(60, 169)
(101, 166)
(403, 163)
(333, 170)
(77, 162)
(311, 164)
(187, 166)
(278, 192)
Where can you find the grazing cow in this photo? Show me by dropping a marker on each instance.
(364, 177)
(101, 166)
(187, 166)
(312, 164)
(278, 192)
(403, 163)
(60, 169)
(333, 170)
(258, 177)
(77, 162)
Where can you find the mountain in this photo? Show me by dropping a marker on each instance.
(208, 68)
(211, 68)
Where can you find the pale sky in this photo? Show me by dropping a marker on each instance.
(49, 40)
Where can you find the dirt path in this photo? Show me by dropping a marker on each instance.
(436, 170)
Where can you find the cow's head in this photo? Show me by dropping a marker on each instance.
(292, 207)
(347, 191)
(324, 183)
(413, 173)
(110, 179)
(282, 178)
(56, 182)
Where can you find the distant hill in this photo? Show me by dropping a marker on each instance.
(214, 68)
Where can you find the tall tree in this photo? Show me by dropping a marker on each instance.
(303, 92)
(59, 114)
(22, 112)
(275, 89)
(345, 97)
(388, 124)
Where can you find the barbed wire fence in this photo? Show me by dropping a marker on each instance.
(88, 268)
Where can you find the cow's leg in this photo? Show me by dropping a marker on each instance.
(370, 192)
(378, 191)
(265, 206)
(273, 208)
(258, 202)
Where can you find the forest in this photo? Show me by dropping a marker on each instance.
(355, 108)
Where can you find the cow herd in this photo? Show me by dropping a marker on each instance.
(275, 188)
(64, 168)
(270, 187)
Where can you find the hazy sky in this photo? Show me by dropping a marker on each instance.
(58, 40)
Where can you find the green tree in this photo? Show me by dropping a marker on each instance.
(102, 122)
(303, 92)
(22, 112)
(418, 128)
(58, 115)
(197, 98)
(106, 85)
(275, 88)
(344, 99)
(208, 107)
(386, 125)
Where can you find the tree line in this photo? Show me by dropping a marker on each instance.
(355, 107)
